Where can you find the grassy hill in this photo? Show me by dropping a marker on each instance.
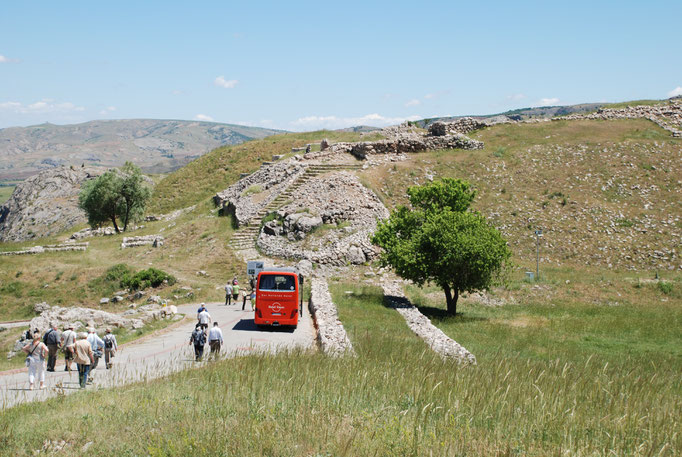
(585, 361)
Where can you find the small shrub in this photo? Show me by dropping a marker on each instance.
(19, 273)
(14, 288)
(500, 152)
(624, 223)
(665, 287)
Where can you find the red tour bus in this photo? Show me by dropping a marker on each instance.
(278, 297)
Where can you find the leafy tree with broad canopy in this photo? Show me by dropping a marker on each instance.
(438, 240)
(115, 195)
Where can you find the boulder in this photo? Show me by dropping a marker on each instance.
(40, 307)
(103, 301)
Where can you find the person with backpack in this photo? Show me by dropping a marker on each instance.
(35, 361)
(198, 338)
(97, 348)
(52, 340)
(110, 347)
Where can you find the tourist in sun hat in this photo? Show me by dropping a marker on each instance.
(84, 358)
(35, 360)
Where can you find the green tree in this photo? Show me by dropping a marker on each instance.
(135, 194)
(438, 240)
(115, 195)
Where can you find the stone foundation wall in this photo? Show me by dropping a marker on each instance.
(330, 332)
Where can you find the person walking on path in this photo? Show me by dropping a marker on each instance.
(110, 347)
(35, 361)
(215, 339)
(204, 319)
(51, 339)
(68, 341)
(228, 293)
(84, 358)
(235, 292)
(97, 347)
(198, 338)
(202, 307)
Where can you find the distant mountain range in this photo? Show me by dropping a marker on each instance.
(157, 146)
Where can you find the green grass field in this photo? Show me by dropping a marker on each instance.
(396, 397)
(5, 193)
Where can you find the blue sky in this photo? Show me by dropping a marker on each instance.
(308, 65)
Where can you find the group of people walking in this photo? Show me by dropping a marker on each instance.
(232, 293)
(84, 348)
(201, 335)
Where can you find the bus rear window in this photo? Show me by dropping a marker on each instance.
(277, 282)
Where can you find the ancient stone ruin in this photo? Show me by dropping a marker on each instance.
(144, 240)
(49, 248)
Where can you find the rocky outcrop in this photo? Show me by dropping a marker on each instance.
(330, 332)
(421, 325)
(82, 318)
(329, 222)
(45, 204)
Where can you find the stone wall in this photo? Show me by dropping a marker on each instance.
(49, 248)
(463, 126)
(340, 201)
(144, 240)
(242, 200)
(330, 332)
(421, 325)
(406, 144)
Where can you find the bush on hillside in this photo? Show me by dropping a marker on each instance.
(151, 277)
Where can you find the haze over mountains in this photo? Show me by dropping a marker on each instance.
(157, 146)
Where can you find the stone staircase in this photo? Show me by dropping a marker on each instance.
(245, 237)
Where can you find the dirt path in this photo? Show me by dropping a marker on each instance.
(157, 356)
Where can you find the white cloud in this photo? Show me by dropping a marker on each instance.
(436, 95)
(220, 81)
(548, 101)
(3, 59)
(177, 92)
(516, 97)
(108, 109)
(413, 102)
(675, 92)
(44, 106)
(334, 122)
(203, 117)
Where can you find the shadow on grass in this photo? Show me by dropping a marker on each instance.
(442, 315)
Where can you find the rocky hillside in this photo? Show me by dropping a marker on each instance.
(155, 145)
(45, 204)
